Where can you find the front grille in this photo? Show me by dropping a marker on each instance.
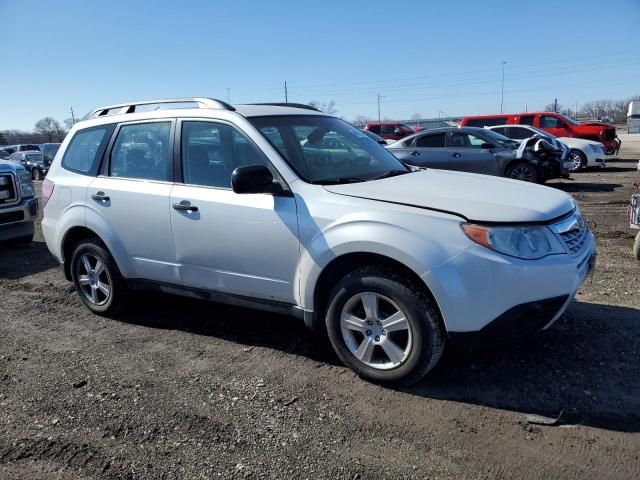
(10, 217)
(7, 189)
(575, 238)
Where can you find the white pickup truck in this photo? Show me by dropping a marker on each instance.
(18, 203)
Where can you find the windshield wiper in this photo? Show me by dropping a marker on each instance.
(338, 181)
(390, 173)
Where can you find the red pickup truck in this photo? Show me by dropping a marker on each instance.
(554, 123)
(390, 130)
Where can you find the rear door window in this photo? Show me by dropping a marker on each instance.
(486, 122)
(518, 133)
(527, 120)
(374, 128)
(547, 121)
(85, 150)
(142, 151)
(434, 140)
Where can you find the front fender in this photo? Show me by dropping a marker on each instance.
(366, 236)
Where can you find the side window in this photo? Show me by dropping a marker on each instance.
(465, 140)
(502, 131)
(476, 142)
(486, 122)
(142, 151)
(527, 120)
(388, 129)
(520, 133)
(212, 151)
(547, 121)
(436, 140)
(85, 150)
(375, 129)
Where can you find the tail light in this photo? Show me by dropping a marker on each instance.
(47, 190)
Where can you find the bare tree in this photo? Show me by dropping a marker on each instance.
(326, 107)
(361, 120)
(552, 107)
(68, 122)
(50, 127)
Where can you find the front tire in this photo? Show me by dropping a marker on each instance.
(383, 327)
(578, 160)
(522, 171)
(97, 278)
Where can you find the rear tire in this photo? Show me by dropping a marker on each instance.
(383, 327)
(578, 160)
(522, 171)
(636, 247)
(97, 278)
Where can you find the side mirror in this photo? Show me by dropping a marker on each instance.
(486, 146)
(253, 179)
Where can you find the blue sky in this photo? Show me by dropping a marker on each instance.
(424, 57)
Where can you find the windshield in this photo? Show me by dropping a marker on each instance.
(571, 121)
(34, 157)
(326, 149)
(500, 139)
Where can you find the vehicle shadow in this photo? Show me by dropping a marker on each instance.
(586, 366)
(574, 187)
(18, 261)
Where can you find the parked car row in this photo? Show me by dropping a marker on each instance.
(18, 205)
(478, 150)
(288, 209)
(36, 159)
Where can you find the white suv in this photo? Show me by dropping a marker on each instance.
(284, 208)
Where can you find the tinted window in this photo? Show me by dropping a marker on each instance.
(212, 151)
(518, 133)
(85, 150)
(527, 120)
(501, 131)
(547, 121)
(374, 128)
(142, 151)
(388, 129)
(435, 140)
(486, 122)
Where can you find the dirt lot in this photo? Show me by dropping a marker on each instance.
(184, 389)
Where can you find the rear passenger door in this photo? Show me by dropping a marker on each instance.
(130, 199)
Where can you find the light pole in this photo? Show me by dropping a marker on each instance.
(228, 95)
(502, 94)
(379, 97)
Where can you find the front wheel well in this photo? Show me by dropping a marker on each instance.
(72, 238)
(344, 264)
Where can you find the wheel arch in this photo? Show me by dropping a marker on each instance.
(341, 265)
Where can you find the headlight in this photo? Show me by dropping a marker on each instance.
(526, 242)
(26, 185)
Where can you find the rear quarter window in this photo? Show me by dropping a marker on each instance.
(486, 122)
(86, 149)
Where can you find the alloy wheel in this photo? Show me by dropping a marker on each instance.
(522, 172)
(576, 161)
(376, 331)
(94, 279)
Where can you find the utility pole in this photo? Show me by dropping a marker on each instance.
(379, 97)
(228, 95)
(502, 94)
(73, 118)
(286, 93)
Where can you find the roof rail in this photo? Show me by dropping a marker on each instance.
(286, 104)
(130, 107)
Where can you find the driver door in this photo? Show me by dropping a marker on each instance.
(467, 155)
(226, 242)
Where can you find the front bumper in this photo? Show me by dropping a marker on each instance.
(17, 220)
(485, 297)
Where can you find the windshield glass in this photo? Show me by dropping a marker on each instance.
(500, 139)
(34, 157)
(326, 149)
(571, 121)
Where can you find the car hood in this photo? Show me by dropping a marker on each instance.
(577, 142)
(596, 124)
(480, 198)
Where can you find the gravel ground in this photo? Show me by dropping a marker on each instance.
(185, 389)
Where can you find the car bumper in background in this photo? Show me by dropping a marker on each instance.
(17, 221)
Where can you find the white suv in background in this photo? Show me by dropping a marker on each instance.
(582, 153)
(284, 208)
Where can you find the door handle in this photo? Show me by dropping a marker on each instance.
(100, 197)
(415, 153)
(185, 206)
(456, 155)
